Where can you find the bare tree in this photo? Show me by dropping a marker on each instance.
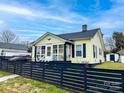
(119, 40)
(8, 36)
(110, 43)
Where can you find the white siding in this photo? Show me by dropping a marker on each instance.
(122, 58)
(115, 55)
(12, 52)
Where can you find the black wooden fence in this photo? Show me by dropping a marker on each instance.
(75, 77)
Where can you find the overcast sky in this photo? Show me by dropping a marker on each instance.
(29, 19)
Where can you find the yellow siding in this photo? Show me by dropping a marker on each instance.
(88, 52)
(53, 40)
(96, 41)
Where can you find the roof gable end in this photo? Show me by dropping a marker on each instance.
(46, 34)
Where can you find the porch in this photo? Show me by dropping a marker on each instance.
(53, 52)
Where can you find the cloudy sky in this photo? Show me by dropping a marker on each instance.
(29, 19)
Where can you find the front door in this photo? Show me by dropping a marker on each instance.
(49, 53)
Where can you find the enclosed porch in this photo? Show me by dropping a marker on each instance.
(53, 52)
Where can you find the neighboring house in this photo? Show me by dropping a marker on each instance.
(112, 57)
(86, 46)
(8, 49)
(121, 54)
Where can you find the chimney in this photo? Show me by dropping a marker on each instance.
(84, 28)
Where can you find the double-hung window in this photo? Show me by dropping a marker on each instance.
(58, 52)
(38, 51)
(55, 52)
(42, 51)
(100, 51)
(94, 51)
(61, 53)
(78, 50)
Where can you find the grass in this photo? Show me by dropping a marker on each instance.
(4, 73)
(24, 85)
(111, 65)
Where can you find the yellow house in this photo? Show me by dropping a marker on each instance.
(86, 46)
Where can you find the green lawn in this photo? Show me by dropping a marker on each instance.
(24, 85)
(4, 73)
(111, 65)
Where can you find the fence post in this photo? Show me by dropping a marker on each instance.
(122, 81)
(21, 64)
(61, 81)
(1, 63)
(14, 67)
(17, 67)
(31, 69)
(7, 66)
(85, 79)
(43, 72)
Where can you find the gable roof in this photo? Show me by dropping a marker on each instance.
(48, 33)
(121, 52)
(79, 35)
(71, 36)
(12, 46)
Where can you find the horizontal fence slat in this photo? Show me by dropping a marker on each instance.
(97, 89)
(104, 78)
(104, 86)
(105, 70)
(72, 77)
(113, 75)
(73, 80)
(73, 74)
(118, 84)
(76, 89)
(74, 83)
(54, 77)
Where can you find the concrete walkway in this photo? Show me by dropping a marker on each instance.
(8, 77)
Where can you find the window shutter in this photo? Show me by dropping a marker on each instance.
(93, 51)
(35, 52)
(84, 50)
(96, 51)
(73, 51)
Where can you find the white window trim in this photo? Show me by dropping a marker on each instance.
(81, 50)
(50, 51)
(57, 50)
(40, 51)
(96, 51)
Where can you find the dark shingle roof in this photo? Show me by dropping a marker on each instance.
(79, 35)
(121, 52)
(12, 46)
